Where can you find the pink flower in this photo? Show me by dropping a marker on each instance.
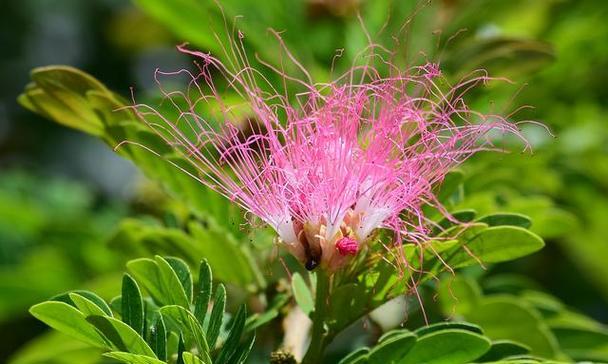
(329, 166)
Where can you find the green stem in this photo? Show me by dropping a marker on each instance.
(319, 336)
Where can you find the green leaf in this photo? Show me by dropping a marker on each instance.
(507, 218)
(60, 93)
(497, 244)
(203, 291)
(501, 349)
(190, 358)
(49, 347)
(86, 306)
(171, 284)
(147, 274)
(229, 353)
(450, 184)
(583, 344)
(244, 349)
(183, 273)
(302, 293)
(121, 335)
(68, 320)
(189, 328)
(458, 295)
(452, 346)
(358, 356)
(217, 315)
(219, 246)
(158, 338)
(132, 304)
(130, 358)
(522, 324)
(65, 297)
(425, 330)
(160, 280)
(392, 349)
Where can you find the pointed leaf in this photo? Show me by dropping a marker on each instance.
(217, 316)
(132, 305)
(182, 271)
(229, 352)
(203, 291)
(158, 338)
(171, 284)
(189, 328)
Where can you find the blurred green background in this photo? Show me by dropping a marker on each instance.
(63, 193)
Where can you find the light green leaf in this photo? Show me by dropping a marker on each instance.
(130, 358)
(182, 271)
(171, 284)
(302, 293)
(522, 324)
(121, 335)
(190, 358)
(68, 320)
(86, 306)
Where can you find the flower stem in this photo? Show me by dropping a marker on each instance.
(320, 335)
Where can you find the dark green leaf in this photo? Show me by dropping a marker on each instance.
(132, 305)
(217, 316)
(229, 353)
(203, 291)
(189, 328)
(502, 349)
(450, 346)
(392, 349)
(158, 338)
(511, 219)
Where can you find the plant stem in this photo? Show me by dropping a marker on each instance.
(319, 336)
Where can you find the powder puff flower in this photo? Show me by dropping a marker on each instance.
(332, 164)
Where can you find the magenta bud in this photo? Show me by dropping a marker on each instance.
(347, 246)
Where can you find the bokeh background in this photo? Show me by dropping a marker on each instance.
(62, 193)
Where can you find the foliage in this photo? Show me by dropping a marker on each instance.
(175, 323)
(507, 206)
